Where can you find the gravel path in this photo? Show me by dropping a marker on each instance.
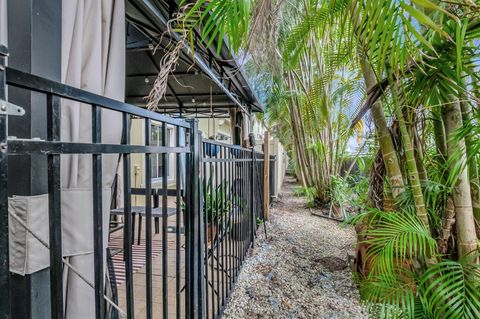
(300, 271)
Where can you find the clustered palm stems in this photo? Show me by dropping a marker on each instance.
(412, 68)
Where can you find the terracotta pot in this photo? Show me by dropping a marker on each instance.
(241, 232)
(211, 232)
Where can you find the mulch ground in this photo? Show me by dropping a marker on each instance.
(301, 271)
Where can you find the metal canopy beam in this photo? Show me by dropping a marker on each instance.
(170, 74)
(199, 60)
(182, 95)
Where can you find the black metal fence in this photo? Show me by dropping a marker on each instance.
(232, 205)
(208, 215)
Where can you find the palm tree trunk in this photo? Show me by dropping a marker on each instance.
(465, 223)
(412, 169)
(392, 166)
(298, 137)
(472, 164)
(440, 137)
(422, 172)
(298, 168)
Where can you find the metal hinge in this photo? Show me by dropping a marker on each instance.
(7, 108)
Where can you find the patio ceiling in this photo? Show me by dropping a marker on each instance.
(208, 84)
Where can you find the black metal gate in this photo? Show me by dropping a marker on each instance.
(215, 208)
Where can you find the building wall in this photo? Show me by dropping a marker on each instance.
(219, 129)
(137, 173)
(277, 150)
(211, 128)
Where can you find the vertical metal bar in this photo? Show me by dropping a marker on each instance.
(217, 195)
(232, 244)
(222, 222)
(237, 210)
(241, 178)
(225, 216)
(247, 202)
(178, 260)
(164, 225)
(148, 221)
(242, 212)
(98, 214)
(156, 203)
(245, 207)
(210, 223)
(194, 255)
(206, 227)
(4, 254)
(200, 236)
(230, 221)
(127, 229)
(54, 209)
(252, 197)
(227, 221)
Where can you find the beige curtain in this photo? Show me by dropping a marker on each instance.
(93, 59)
(3, 22)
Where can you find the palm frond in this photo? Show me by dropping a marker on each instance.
(395, 240)
(391, 295)
(451, 289)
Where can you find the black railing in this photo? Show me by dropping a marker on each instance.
(232, 197)
(215, 199)
(53, 148)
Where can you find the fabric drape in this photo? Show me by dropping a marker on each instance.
(93, 59)
(3, 22)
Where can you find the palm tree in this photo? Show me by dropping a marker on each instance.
(419, 62)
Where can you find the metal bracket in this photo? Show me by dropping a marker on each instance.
(7, 108)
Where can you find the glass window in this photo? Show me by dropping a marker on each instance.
(157, 162)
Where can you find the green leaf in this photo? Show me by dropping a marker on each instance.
(450, 289)
(422, 18)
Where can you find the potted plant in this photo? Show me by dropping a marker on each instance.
(241, 220)
(217, 206)
(339, 195)
(211, 150)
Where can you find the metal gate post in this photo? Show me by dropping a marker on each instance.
(4, 260)
(193, 225)
(252, 196)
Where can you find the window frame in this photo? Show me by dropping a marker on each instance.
(156, 169)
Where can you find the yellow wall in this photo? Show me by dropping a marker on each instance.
(137, 173)
(209, 127)
(215, 127)
(276, 149)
